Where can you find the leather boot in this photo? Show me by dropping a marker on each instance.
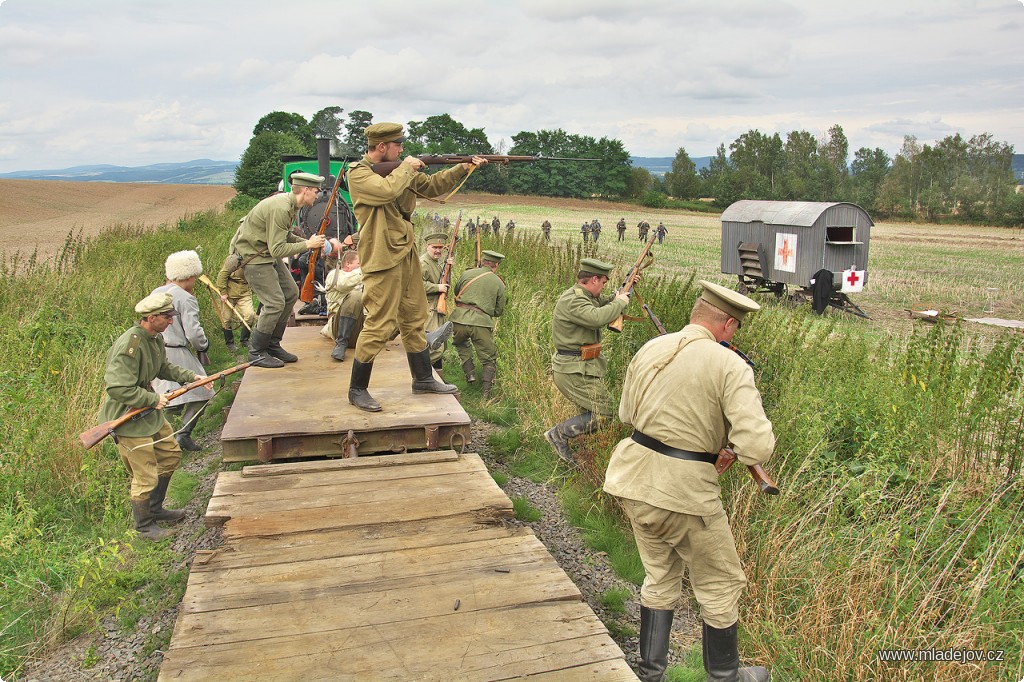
(437, 338)
(188, 422)
(357, 385)
(243, 335)
(423, 380)
(144, 524)
(469, 370)
(229, 340)
(345, 327)
(274, 348)
(156, 502)
(560, 434)
(487, 380)
(258, 355)
(655, 628)
(722, 658)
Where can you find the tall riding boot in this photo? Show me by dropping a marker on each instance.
(345, 327)
(423, 380)
(357, 385)
(655, 628)
(274, 348)
(560, 434)
(258, 354)
(722, 658)
(229, 340)
(144, 524)
(188, 422)
(487, 379)
(243, 335)
(156, 502)
(437, 338)
(469, 369)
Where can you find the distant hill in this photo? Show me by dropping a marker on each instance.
(197, 172)
(659, 165)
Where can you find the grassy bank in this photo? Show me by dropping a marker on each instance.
(899, 454)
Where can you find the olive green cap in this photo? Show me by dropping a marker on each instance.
(384, 132)
(492, 256)
(596, 267)
(155, 304)
(732, 303)
(436, 239)
(305, 180)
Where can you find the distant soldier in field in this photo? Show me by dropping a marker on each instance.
(262, 240)
(510, 226)
(470, 229)
(621, 228)
(545, 227)
(585, 231)
(495, 226)
(577, 365)
(595, 229)
(643, 228)
(485, 226)
(661, 231)
(479, 300)
(145, 444)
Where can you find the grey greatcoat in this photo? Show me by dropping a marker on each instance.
(185, 331)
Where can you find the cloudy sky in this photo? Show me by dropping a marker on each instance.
(134, 82)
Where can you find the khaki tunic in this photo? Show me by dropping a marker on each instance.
(474, 320)
(344, 299)
(239, 293)
(577, 320)
(431, 278)
(393, 288)
(689, 392)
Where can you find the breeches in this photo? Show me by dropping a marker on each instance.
(669, 541)
(481, 338)
(147, 460)
(274, 286)
(393, 298)
(228, 318)
(589, 394)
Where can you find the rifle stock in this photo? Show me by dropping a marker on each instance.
(206, 280)
(446, 271)
(384, 168)
(97, 433)
(306, 295)
(726, 458)
(631, 279)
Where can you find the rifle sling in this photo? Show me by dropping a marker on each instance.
(656, 445)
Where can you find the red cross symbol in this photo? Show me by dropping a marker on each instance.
(853, 278)
(785, 251)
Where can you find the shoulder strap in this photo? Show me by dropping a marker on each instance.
(466, 286)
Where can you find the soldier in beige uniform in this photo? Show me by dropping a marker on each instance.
(234, 290)
(687, 397)
(580, 314)
(432, 266)
(392, 281)
(344, 289)
(262, 240)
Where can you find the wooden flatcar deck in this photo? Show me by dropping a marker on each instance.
(380, 568)
(302, 409)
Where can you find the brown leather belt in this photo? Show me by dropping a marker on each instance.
(471, 307)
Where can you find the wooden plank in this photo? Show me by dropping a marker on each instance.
(342, 542)
(402, 459)
(318, 613)
(464, 645)
(613, 670)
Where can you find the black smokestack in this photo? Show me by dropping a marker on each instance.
(323, 157)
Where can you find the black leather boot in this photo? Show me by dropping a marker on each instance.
(487, 373)
(156, 502)
(243, 335)
(229, 340)
(722, 658)
(258, 354)
(188, 422)
(345, 327)
(274, 348)
(560, 434)
(436, 339)
(655, 628)
(144, 524)
(357, 385)
(468, 368)
(423, 380)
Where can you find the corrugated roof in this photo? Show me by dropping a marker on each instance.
(799, 213)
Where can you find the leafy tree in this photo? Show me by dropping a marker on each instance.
(868, 171)
(833, 152)
(326, 124)
(720, 179)
(682, 181)
(259, 171)
(800, 181)
(610, 177)
(640, 182)
(292, 124)
(758, 163)
(354, 143)
(442, 134)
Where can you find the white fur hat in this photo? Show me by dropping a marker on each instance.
(182, 265)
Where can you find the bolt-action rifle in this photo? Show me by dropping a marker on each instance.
(98, 433)
(726, 458)
(384, 168)
(632, 277)
(306, 295)
(446, 271)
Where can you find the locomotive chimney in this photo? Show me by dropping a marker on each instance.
(323, 157)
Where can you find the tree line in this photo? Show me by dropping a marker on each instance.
(956, 178)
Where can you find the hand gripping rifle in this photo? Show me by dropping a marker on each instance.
(384, 168)
(306, 295)
(446, 271)
(98, 433)
(727, 456)
(631, 279)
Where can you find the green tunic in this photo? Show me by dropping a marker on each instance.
(135, 359)
(482, 301)
(266, 233)
(431, 278)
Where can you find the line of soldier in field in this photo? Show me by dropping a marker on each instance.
(589, 230)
